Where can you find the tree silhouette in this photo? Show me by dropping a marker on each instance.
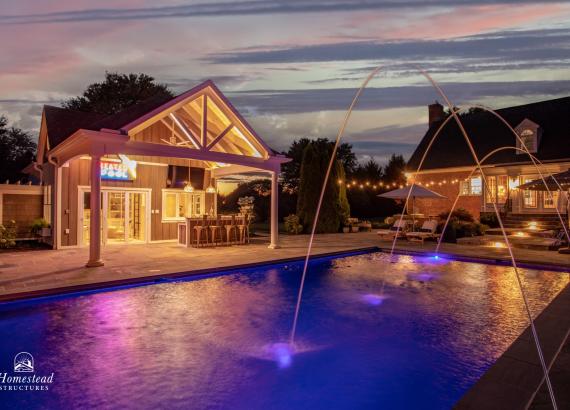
(117, 92)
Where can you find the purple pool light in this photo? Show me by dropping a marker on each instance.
(282, 353)
(373, 299)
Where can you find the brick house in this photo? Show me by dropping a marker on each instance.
(449, 167)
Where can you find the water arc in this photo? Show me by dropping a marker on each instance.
(478, 165)
(321, 196)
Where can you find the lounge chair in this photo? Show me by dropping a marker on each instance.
(390, 233)
(427, 231)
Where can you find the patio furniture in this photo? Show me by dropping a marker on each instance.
(417, 191)
(365, 226)
(201, 232)
(244, 230)
(216, 231)
(231, 228)
(398, 228)
(427, 231)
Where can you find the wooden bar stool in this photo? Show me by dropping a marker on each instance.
(244, 230)
(201, 232)
(216, 231)
(231, 228)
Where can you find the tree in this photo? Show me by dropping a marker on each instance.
(371, 171)
(116, 93)
(394, 170)
(334, 208)
(17, 150)
(260, 189)
(291, 171)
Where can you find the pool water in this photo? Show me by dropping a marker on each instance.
(372, 334)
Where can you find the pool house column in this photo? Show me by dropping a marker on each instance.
(274, 224)
(95, 217)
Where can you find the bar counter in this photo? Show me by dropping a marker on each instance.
(187, 233)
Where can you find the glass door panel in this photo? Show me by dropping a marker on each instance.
(86, 218)
(529, 197)
(123, 217)
(115, 218)
(137, 216)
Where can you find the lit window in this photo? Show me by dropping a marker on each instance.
(491, 191)
(470, 187)
(527, 137)
(173, 205)
(476, 186)
(529, 197)
(502, 189)
(550, 201)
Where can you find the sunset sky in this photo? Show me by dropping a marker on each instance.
(292, 66)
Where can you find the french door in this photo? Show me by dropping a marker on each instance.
(125, 216)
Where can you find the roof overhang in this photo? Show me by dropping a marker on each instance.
(86, 142)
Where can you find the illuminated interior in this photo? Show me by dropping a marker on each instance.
(205, 122)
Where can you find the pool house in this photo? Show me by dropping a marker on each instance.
(134, 176)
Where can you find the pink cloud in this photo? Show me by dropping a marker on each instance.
(473, 20)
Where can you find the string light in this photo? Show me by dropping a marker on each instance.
(387, 185)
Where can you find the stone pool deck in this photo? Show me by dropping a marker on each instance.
(44, 272)
(516, 379)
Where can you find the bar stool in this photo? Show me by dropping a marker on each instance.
(201, 231)
(244, 230)
(231, 227)
(216, 231)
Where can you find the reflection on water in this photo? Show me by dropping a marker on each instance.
(215, 343)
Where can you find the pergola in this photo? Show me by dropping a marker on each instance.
(200, 124)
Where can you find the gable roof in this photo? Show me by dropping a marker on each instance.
(487, 133)
(63, 122)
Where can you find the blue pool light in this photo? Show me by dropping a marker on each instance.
(373, 299)
(282, 353)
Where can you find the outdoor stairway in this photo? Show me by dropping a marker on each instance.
(543, 221)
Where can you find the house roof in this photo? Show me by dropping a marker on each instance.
(62, 122)
(487, 133)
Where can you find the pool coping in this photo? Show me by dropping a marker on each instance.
(514, 380)
(164, 277)
(491, 260)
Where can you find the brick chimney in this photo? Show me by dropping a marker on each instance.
(436, 113)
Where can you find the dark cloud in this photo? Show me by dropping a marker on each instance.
(312, 100)
(251, 7)
(499, 48)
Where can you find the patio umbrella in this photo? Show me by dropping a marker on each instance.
(563, 179)
(418, 191)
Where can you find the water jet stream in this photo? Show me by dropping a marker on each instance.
(313, 229)
(505, 236)
(478, 163)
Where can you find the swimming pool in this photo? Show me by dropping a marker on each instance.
(372, 334)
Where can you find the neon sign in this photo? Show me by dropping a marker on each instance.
(126, 170)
